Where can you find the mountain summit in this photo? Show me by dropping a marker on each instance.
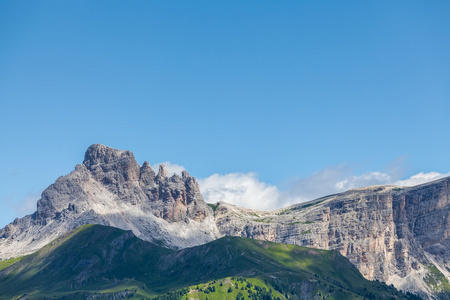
(110, 188)
(398, 235)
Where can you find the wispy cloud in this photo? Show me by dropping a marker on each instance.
(27, 204)
(245, 189)
(421, 178)
(22, 205)
(368, 179)
(323, 182)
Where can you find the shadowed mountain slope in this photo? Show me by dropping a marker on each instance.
(95, 259)
(397, 235)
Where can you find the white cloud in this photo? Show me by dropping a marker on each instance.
(170, 167)
(368, 179)
(339, 179)
(378, 178)
(241, 189)
(244, 189)
(330, 181)
(421, 178)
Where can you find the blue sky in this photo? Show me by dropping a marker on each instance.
(278, 92)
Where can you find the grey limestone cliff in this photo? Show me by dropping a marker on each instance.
(397, 235)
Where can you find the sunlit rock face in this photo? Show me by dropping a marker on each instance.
(110, 188)
(390, 233)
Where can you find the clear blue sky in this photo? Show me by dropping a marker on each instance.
(281, 88)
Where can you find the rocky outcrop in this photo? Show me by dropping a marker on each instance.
(110, 188)
(396, 235)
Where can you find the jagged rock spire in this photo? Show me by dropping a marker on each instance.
(185, 174)
(147, 174)
(111, 188)
(162, 172)
(146, 165)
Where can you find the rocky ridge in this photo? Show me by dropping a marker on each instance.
(400, 236)
(392, 234)
(110, 188)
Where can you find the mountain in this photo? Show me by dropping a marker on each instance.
(110, 188)
(400, 236)
(392, 234)
(98, 262)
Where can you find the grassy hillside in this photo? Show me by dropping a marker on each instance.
(98, 261)
(8, 262)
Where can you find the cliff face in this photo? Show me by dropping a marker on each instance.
(110, 188)
(396, 235)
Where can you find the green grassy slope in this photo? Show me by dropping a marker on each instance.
(8, 262)
(106, 261)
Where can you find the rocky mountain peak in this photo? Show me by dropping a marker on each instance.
(393, 234)
(147, 174)
(110, 166)
(111, 188)
(100, 154)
